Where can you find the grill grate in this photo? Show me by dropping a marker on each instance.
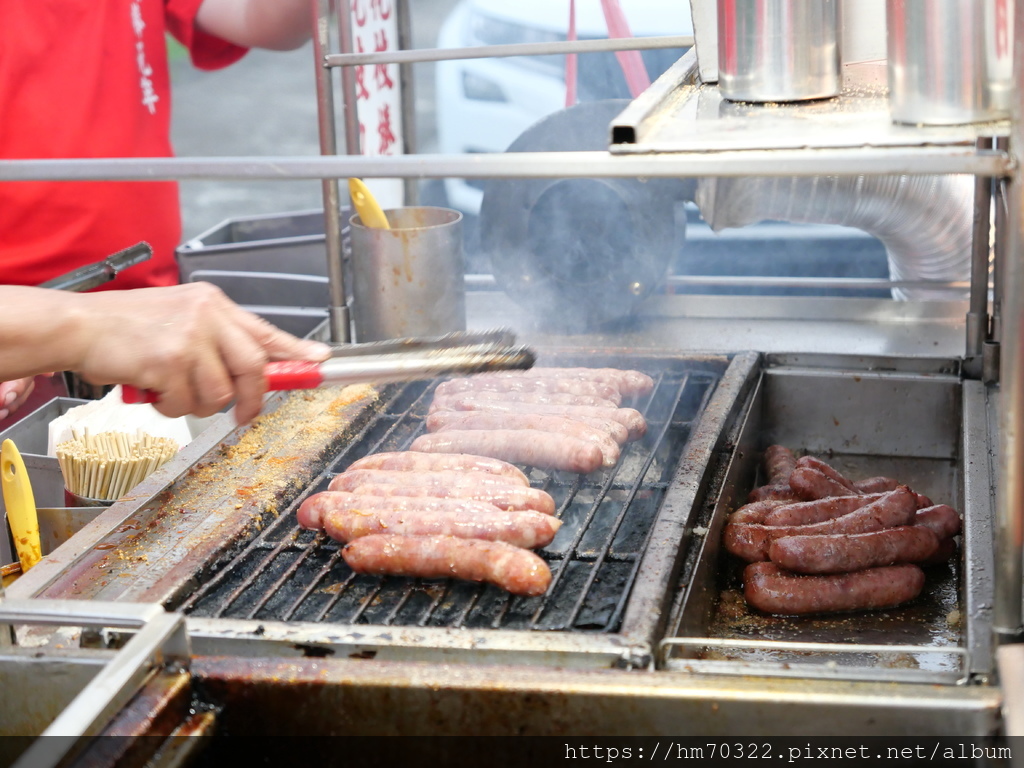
(287, 573)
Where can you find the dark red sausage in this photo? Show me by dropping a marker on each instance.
(817, 511)
(780, 492)
(447, 421)
(414, 461)
(461, 518)
(520, 446)
(947, 549)
(812, 484)
(828, 470)
(941, 518)
(773, 590)
(779, 462)
(876, 484)
(750, 542)
(756, 511)
(841, 553)
(514, 569)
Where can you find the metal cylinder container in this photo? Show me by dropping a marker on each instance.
(950, 61)
(778, 50)
(408, 280)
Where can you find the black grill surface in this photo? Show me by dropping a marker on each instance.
(287, 573)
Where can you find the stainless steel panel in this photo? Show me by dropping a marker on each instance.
(375, 698)
(866, 413)
(866, 421)
(950, 61)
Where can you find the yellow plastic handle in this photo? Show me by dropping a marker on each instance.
(366, 205)
(20, 504)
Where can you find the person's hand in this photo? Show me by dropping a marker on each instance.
(189, 343)
(13, 395)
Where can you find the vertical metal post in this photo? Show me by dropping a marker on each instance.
(991, 351)
(340, 328)
(977, 315)
(350, 106)
(1009, 528)
(411, 193)
(1002, 223)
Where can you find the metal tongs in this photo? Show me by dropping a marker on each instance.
(383, 362)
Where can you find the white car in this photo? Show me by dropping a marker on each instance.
(483, 105)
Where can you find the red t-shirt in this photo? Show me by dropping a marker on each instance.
(89, 78)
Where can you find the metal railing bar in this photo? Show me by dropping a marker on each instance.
(426, 55)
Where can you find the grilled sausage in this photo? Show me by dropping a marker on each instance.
(454, 402)
(503, 497)
(475, 403)
(773, 590)
(817, 511)
(465, 519)
(413, 461)
(828, 470)
(876, 484)
(810, 484)
(779, 462)
(446, 421)
(840, 553)
(312, 511)
(630, 383)
(520, 446)
(522, 384)
(941, 518)
(751, 542)
(779, 491)
(353, 478)
(514, 569)
(757, 511)
(630, 418)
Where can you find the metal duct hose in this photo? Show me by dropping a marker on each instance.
(925, 222)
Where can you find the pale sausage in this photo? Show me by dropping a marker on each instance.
(514, 569)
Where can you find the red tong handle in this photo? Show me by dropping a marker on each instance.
(287, 374)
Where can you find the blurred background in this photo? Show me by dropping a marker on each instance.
(266, 105)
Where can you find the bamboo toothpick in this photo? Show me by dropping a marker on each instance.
(107, 465)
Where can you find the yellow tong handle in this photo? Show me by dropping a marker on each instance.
(366, 205)
(20, 504)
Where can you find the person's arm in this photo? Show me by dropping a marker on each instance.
(188, 342)
(280, 25)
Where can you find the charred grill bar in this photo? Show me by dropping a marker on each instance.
(287, 573)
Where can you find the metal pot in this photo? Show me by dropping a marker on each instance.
(778, 50)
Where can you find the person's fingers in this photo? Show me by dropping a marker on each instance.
(13, 395)
(176, 393)
(245, 358)
(279, 345)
